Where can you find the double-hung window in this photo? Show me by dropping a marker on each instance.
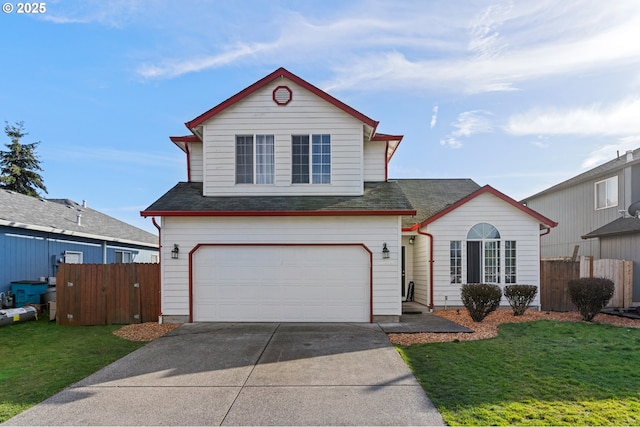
(255, 159)
(311, 159)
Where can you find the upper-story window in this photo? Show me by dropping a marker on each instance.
(607, 193)
(311, 163)
(255, 159)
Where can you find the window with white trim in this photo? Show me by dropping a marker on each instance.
(123, 257)
(483, 254)
(255, 159)
(606, 193)
(311, 159)
(510, 261)
(455, 263)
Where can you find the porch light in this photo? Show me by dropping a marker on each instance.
(385, 251)
(175, 251)
(412, 240)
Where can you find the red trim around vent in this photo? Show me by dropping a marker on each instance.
(199, 245)
(289, 98)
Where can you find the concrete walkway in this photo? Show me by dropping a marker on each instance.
(417, 318)
(248, 374)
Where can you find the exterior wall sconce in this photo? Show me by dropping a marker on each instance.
(175, 251)
(385, 251)
(412, 240)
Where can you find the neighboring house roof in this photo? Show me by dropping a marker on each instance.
(186, 199)
(434, 198)
(601, 171)
(628, 225)
(60, 216)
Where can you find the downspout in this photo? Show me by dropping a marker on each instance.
(547, 231)
(153, 220)
(430, 236)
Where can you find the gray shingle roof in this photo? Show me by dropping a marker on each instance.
(599, 171)
(627, 225)
(431, 196)
(186, 198)
(60, 216)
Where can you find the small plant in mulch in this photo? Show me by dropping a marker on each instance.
(520, 297)
(480, 299)
(590, 295)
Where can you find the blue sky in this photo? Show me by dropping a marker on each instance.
(519, 95)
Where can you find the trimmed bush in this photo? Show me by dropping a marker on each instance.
(480, 299)
(590, 295)
(519, 297)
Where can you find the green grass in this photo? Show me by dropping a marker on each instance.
(39, 358)
(536, 373)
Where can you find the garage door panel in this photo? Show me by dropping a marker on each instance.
(281, 283)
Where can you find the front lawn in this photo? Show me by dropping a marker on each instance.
(39, 358)
(536, 373)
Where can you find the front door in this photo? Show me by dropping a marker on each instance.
(474, 263)
(404, 268)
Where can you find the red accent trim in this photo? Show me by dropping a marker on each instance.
(186, 146)
(153, 220)
(273, 95)
(199, 245)
(277, 213)
(279, 73)
(546, 231)
(386, 163)
(185, 138)
(486, 189)
(388, 139)
(430, 236)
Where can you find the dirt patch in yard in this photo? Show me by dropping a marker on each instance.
(148, 331)
(488, 328)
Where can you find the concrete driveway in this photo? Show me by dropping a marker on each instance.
(248, 374)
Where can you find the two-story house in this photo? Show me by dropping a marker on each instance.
(593, 214)
(288, 215)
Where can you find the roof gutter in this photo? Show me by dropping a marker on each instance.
(54, 230)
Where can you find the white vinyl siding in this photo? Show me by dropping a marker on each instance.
(305, 114)
(372, 232)
(375, 160)
(195, 159)
(513, 225)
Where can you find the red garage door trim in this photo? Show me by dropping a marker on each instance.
(200, 245)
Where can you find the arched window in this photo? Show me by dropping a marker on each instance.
(483, 231)
(483, 254)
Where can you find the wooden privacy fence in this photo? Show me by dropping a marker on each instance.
(555, 276)
(554, 289)
(105, 294)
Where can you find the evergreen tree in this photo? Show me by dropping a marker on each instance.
(19, 165)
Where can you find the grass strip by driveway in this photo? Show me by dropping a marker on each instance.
(39, 358)
(536, 373)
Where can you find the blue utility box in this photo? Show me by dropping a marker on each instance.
(28, 292)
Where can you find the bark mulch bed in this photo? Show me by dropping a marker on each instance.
(488, 328)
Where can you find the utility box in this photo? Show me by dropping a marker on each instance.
(28, 292)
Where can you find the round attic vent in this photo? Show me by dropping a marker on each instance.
(282, 95)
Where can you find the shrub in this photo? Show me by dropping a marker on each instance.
(480, 299)
(590, 295)
(519, 297)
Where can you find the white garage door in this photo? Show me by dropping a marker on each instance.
(281, 284)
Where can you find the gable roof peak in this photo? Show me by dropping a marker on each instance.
(281, 73)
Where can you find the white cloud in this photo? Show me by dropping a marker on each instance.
(609, 151)
(621, 119)
(467, 124)
(434, 116)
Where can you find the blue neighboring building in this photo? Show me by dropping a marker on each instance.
(36, 235)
